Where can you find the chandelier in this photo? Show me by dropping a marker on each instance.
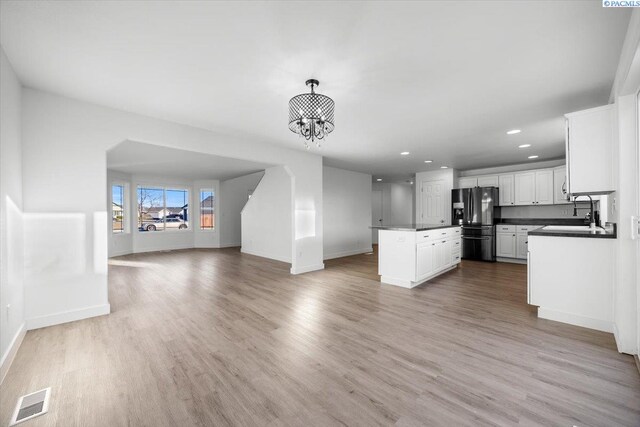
(311, 115)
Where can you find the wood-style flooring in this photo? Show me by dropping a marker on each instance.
(216, 338)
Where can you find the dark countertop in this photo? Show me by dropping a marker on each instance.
(599, 233)
(542, 221)
(411, 227)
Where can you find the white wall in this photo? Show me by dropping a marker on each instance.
(64, 147)
(449, 178)
(12, 316)
(266, 217)
(397, 202)
(626, 161)
(234, 194)
(347, 212)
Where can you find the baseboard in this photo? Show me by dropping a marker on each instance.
(348, 253)
(67, 316)
(511, 260)
(10, 354)
(264, 255)
(230, 245)
(307, 269)
(575, 319)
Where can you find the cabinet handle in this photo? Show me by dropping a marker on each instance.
(514, 235)
(444, 241)
(444, 234)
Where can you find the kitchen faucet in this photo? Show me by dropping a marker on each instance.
(592, 221)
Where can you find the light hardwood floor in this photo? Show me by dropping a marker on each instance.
(214, 337)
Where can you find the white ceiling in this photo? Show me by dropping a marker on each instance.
(443, 80)
(152, 160)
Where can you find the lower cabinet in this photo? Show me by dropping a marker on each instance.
(432, 257)
(506, 244)
(521, 245)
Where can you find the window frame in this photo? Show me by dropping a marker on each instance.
(126, 229)
(165, 188)
(213, 192)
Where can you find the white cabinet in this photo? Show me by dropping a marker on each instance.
(521, 245)
(589, 148)
(488, 181)
(408, 258)
(506, 244)
(534, 187)
(544, 187)
(560, 194)
(467, 182)
(506, 190)
(525, 188)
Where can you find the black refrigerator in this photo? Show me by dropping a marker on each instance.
(476, 210)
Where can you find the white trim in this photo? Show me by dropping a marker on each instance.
(10, 354)
(301, 270)
(410, 284)
(230, 245)
(67, 316)
(265, 255)
(512, 260)
(348, 253)
(575, 319)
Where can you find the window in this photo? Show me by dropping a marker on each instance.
(118, 212)
(162, 209)
(207, 207)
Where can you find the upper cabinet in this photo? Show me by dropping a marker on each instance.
(506, 190)
(534, 187)
(589, 146)
(560, 194)
(488, 181)
(467, 182)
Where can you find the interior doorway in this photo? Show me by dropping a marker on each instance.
(376, 213)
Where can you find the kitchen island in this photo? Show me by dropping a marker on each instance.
(409, 255)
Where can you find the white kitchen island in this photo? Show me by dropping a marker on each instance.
(409, 255)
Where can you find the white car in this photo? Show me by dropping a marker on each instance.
(169, 223)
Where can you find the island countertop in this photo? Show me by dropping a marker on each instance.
(599, 233)
(411, 227)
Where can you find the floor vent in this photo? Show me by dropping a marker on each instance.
(31, 406)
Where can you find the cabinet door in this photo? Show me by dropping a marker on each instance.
(521, 245)
(544, 187)
(506, 245)
(446, 253)
(506, 190)
(589, 150)
(488, 181)
(560, 194)
(424, 260)
(467, 182)
(525, 188)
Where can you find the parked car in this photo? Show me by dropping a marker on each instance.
(169, 223)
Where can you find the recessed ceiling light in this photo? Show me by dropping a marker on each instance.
(533, 157)
(444, 167)
(514, 131)
(379, 179)
(428, 161)
(411, 182)
(404, 153)
(524, 146)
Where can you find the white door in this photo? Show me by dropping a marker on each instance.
(544, 187)
(505, 190)
(376, 213)
(506, 245)
(432, 202)
(525, 188)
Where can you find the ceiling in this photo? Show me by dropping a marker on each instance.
(442, 80)
(138, 158)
